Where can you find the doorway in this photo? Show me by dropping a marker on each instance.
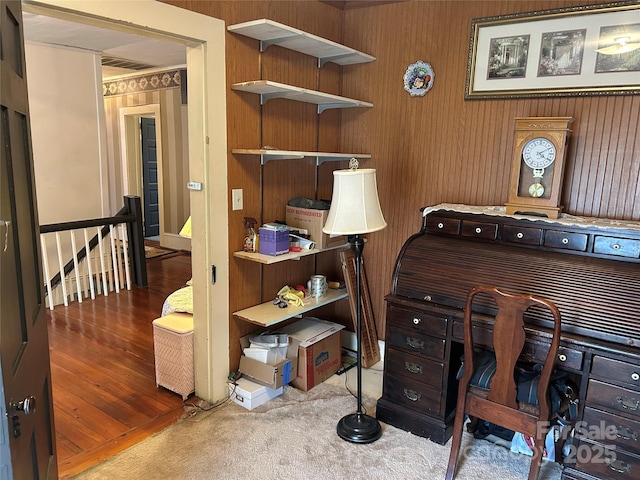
(141, 153)
(204, 38)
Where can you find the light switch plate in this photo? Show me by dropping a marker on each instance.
(236, 199)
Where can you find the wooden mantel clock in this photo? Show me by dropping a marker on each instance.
(538, 165)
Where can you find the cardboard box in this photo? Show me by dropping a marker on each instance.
(250, 394)
(273, 242)
(272, 376)
(312, 221)
(320, 350)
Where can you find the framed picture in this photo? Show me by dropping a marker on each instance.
(587, 50)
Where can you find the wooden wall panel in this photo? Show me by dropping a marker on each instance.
(442, 148)
(427, 150)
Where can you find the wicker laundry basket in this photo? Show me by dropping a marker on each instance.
(173, 349)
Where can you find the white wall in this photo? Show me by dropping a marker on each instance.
(67, 130)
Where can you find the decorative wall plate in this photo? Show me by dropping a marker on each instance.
(418, 79)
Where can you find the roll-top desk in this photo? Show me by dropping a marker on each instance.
(590, 268)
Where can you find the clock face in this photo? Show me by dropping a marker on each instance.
(539, 153)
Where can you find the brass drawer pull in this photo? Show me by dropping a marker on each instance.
(628, 403)
(624, 432)
(415, 343)
(618, 465)
(412, 395)
(413, 367)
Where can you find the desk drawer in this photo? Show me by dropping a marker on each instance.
(604, 462)
(417, 342)
(570, 241)
(621, 247)
(613, 399)
(616, 370)
(414, 367)
(479, 230)
(412, 394)
(566, 358)
(522, 235)
(416, 320)
(443, 225)
(609, 429)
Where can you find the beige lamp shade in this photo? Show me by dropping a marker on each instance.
(355, 207)
(186, 229)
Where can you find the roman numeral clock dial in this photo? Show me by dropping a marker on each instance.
(538, 166)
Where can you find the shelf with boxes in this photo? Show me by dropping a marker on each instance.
(269, 259)
(268, 32)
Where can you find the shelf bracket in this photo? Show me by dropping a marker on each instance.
(265, 157)
(274, 41)
(332, 58)
(326, 106)
(320, 160)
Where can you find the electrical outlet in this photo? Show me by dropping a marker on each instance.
(236, 199)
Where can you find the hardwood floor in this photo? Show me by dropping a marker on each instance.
(102, 368)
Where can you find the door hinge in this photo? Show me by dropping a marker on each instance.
(213, 274)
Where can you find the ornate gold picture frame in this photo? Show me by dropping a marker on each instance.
(587, 50)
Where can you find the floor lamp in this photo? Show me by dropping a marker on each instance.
(355, 210)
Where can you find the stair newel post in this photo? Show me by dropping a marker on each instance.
(136, 240)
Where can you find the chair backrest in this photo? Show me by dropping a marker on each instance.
(508, 342)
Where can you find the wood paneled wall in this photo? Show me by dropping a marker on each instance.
(427, 150)
(442, 148)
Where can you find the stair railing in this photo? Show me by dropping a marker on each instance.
(112, 254)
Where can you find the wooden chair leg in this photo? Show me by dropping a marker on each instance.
(456, 441)
(536, 460)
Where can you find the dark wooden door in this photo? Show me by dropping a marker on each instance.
(27, 440)
(150, 177)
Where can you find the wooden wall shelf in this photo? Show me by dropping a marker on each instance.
(321, 157)
(267, 314)
(269, 90)
(274, 33)
(270, 259)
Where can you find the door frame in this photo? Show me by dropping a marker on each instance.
(204, 38)
(131, 159)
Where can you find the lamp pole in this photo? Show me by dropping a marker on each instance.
(358, 427)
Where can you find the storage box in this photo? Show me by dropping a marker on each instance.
(320, 350)
(272, 376)
(250, 394)
(313, 221)
(173, 350)
(273, 242)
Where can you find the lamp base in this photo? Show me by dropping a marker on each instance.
(359, 428)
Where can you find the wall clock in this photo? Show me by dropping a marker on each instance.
(537, 170)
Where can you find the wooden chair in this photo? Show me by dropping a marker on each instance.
(498, 404)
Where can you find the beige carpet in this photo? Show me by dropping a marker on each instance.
(294, 437)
